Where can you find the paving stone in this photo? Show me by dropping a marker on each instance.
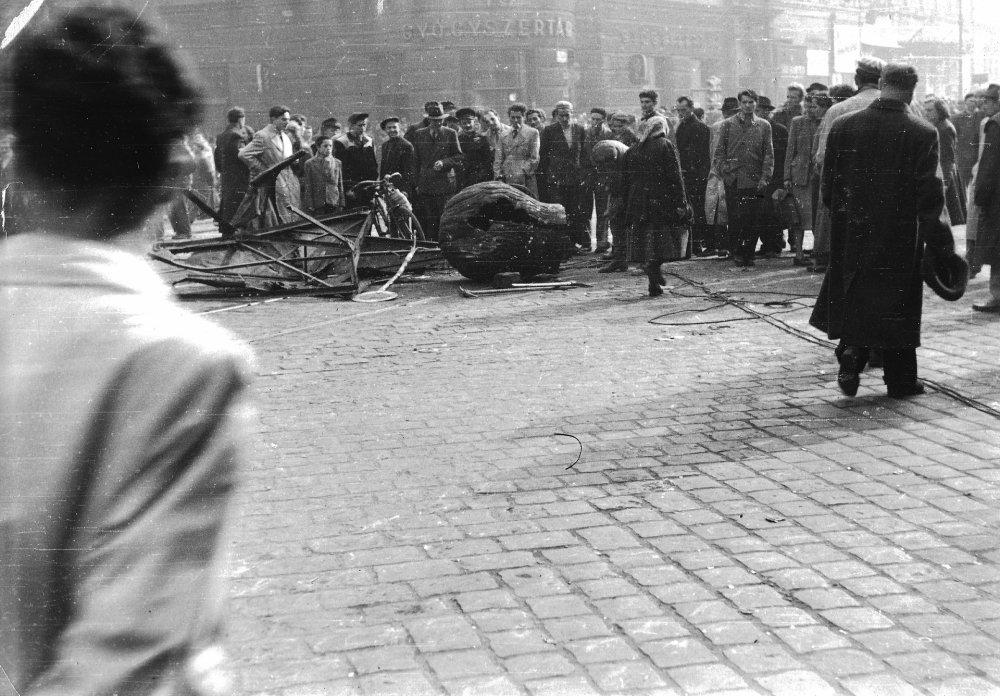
(879, 685)
(844, 663)
(677, 652)
(559, 605)
(396, 684)
(537, 540)
(486, 599)
(476, 686)
(606, 649)
(646, 629)
(820, 599)
(607, 587)
(935, 625)
(890, 642)
(733, 633)
(576, 627)
(457, 664)
(625, 677)
(796, 683)
(392, 658)
(701, 613)
(964, 686)
(782, 617)
(927, 665)
(857, 619)
(519, 642)
(561, 686)
(502, 620)
(702, 679)
(657, 574)
(443, 633)
(681, 592)
(807, 639)
(536, 666)
(762, 657)
(341, 639)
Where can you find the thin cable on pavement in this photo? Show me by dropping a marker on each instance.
(724, 299)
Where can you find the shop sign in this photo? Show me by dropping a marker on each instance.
(493, 27)
(677, 40)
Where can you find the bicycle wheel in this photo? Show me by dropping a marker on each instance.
(404, 225)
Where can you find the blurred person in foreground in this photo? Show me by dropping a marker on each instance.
(986, 199)
(121, 412)
(886, 202)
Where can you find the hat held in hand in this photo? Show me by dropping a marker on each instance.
(945, 274)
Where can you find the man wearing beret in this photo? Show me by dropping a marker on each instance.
(886, 205)
(398, 156)
(477, 153)
(438, 153)
(356, 152)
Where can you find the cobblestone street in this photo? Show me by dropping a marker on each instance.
(592, 491)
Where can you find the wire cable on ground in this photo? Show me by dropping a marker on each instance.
(724, 299)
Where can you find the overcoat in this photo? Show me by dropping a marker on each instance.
(477, 159)
(954, 195)
(399, 157)
(986, 195)
(693, 150)
(429, 151)
(515, 158)
(233, 173)
(562, 163)
(881, 185)
(651, 184)
(266, 150)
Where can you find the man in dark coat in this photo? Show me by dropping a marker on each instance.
(596, 132)
(772, 231)
(694, 141)
(967, 129)
(356, 151)
(438, 153)
(398, 156)
(881, 184)
(986, 197)
(561, 165)
(234, 175)
(477, 153)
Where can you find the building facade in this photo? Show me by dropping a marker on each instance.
(333, 57)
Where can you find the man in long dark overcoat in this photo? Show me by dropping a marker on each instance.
(694, 139)
(986, 197)
(881, 185)
(438, 152)
(234, 175)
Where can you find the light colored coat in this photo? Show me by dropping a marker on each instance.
(121, 416)
(266, 150)
(516, 158)
(323, 183)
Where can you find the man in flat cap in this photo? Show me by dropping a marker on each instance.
(356, 151)
(886, 205)
(438, 153)
(398, 156)
(477, 153)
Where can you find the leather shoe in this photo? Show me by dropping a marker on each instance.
(992, 307)
(901, 391)
(608, 255)
(849, 377)
(616, 266)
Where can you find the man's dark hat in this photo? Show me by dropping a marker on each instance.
(386, 121)
(945, 274)
(992, 92)
(764, 103)
(466, 111)
(447, 105)
(730, 104)
(434, 111)
(356, 118)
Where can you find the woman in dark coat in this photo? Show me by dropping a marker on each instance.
(656, 207)
(937, 113)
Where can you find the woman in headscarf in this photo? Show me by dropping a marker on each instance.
(656, 207)
(938, 114)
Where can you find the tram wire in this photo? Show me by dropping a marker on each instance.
(724, 298)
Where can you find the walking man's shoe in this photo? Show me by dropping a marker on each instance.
(851, 364)
(616, 266)
(902, 391)
(992, 307)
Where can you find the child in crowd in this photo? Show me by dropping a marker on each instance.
(323, 180)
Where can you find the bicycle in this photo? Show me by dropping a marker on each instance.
(391, 214)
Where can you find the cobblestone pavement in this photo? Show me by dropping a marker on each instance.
(592, 491)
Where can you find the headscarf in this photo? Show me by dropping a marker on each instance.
(651, 127)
